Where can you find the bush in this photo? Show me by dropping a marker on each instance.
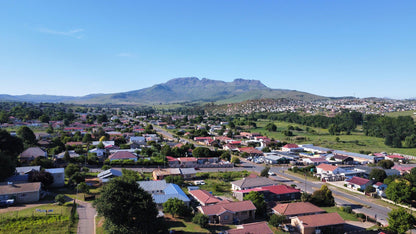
(275, 220)
(105, 167)
(60, 198)
(347, 209)
(201, 220)
(235, 160)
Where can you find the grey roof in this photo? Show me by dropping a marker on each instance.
(33, 152)
(171, 191)
(252, 182)
(24, 170)
(354, 155)
(108, 173)
(187, 171)
(55, 170)
(316, 148)
(153, 185)
(19, 188)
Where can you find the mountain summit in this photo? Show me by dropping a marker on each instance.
(178, 90)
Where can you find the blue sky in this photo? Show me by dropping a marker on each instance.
(330, 48)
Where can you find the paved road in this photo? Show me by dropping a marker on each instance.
(86, 213)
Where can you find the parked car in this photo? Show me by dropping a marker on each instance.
(272, 173)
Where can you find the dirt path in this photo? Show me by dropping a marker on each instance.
(86, 213)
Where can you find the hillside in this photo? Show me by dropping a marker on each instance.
(180, 90)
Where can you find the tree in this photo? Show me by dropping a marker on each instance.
(400, 221)
(27, 135)
(83, 187)
(201, 220)
(258, 201)
(87, 138)
(377, 174)
(275, 220)
(127, 208)
(200, 152)
(175, 179)
(67, 157)
(60, 198)
(271, 127)
(71, 169)
(226, 156)
(10, 148)
(44, 177)
(400, 191)
(305, 197)
(323, 197)
(334, 129)
(77, 177)
(369, 189)
(265, 172)
(410, 141)
(175, 206)
(385, 163)
(235, 160)
(43, 162)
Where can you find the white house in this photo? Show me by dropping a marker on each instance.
(58, 175)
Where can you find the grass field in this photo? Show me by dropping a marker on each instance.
(31, 221)
(355, 142)
(344, 215)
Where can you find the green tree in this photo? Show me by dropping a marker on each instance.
(201, 152)
(258, 201)
(44, 118)
(67, 157)
(87, 138)
(400, 221)
(127, 208)
(226, 156)
(175, 180)
(377, 174)
(77, 177)
(10, 148)
(43, 162)
(271, 127)
(410, 141)
(201, 219)
(175, 206)
(275, 220)
(323, 197)
(83, 187)
(60, 198)
(235, 160)
(265, 172)
(71, 169)
(400, 191)
(44, 177)
(369, 189)
(385, 163)
(334, 129)
(27, 135)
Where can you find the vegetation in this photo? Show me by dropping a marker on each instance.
(400, 221)
(201, 220)
(175, 206)
(258, 201)
(377, 174)
(276, 220)
(265, 172)
(60, 199)
(323, 197)
(127, 208)
(10, 148)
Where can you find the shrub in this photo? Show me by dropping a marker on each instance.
(105, 167)
(347, 209)
(60, 198)
(201, 220)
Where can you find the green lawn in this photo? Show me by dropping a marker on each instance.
(31, 221)
(355, 142)
(187, 226)
(344, 215)
(217, 187)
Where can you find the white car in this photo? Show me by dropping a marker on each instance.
(272, 173)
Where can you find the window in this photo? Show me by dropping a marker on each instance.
(226, 217)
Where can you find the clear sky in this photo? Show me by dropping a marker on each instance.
(331, 48)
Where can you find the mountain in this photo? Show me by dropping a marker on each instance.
(181, 90)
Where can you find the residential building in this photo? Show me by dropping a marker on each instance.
(107, 175)
(252, 228)
(279, 192)
(204, 197)
(122, 155)
(358, 183)
(319, 223)
(297, 209)
(229, 212)
(291, 148)
(251, 182)
(58, 175)
(21, 192)
(31, 153)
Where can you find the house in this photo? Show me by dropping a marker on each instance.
(21, 174)
(395, 157)
(173, 162)
(21, 192)
(58, 175)
(252, 228)
(279, 192)
(122, 155)
(26, 170)
(106, 175)
(161, 173)
(188, 162)
(315, 149)
(251, 182)
(274, 159)
(137, 139)
(380, 189)
(291, 148)
(314, 161)
(251, 151)
(403, 169)
(188, 173)
(358, 183)
(297, 209)
(31, 153)
(319, 223)
(171, 191)
(72, 154)
(229, 212)
(343, 159)
(359, 158)
(153, 187)
(204, 197)
(101, 153)
(329, 172)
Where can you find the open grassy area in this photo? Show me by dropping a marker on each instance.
(187, 226)
(217, 187)
(344, 215)
(355, 142)
(402, 113)
(31, 221)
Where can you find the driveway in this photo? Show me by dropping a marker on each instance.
(86, 213)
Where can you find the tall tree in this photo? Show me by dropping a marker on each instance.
(400, 221)
(175, 206)
(10, 148)
(258, 201)
(323, 197)
(200, 152)
(44, 177)
(377, 174)
(27, 135)
(127, 208)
